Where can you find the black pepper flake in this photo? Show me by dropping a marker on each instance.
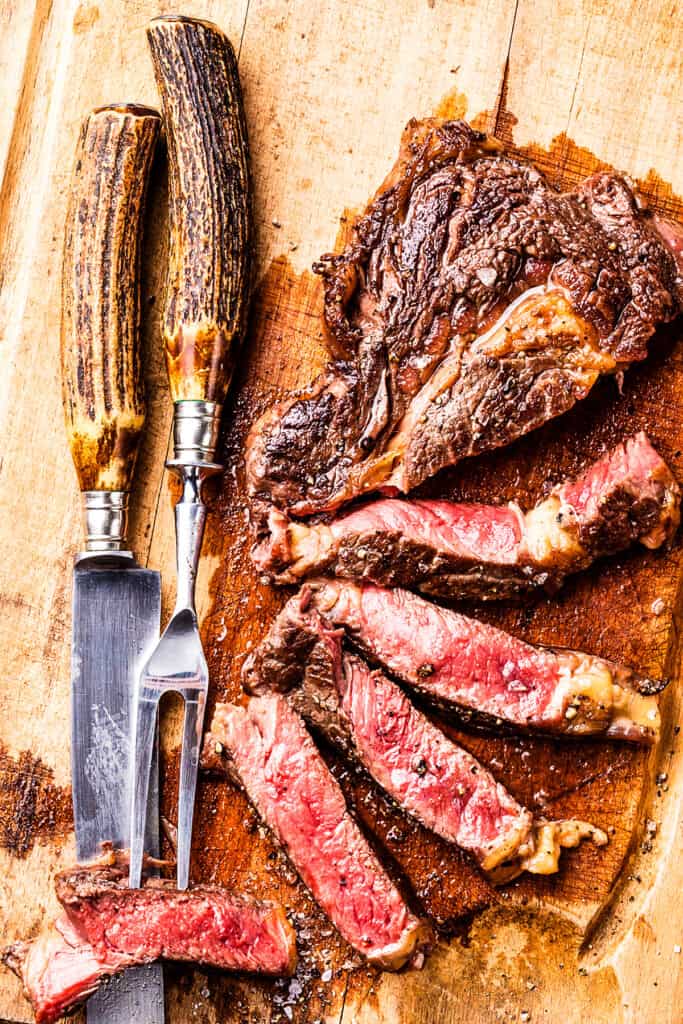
(425, 670)
(421, 766)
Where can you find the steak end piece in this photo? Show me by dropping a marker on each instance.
(267, 748)
(473, 303)
(461, 665)
(438, 783)
(59, 970)
(485, 551)
(204, 925)
(107, 927)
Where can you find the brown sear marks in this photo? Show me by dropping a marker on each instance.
(605, 783)
(32, 808)
(565, 163)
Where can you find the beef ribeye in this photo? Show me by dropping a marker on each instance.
(203, 925)
(108, 927)
(461, 664)
(473, 303)
(434, 780)
(485, 551)
(269, 752)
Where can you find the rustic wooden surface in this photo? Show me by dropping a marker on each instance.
(328, 87)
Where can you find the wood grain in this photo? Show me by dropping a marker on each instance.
(328, 88)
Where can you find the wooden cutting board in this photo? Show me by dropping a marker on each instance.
(328, 88)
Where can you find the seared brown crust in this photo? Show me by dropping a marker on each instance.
(102, 384)
(460, 232)
(485, 551)
(210, 206)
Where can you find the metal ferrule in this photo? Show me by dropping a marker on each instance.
(105, 520)
(195, 434)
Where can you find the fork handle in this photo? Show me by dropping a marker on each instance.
(190, 517)
(210, 215)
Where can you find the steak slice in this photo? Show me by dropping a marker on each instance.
(443, 878)
(59, 970)
(462, 665)
(486, 551)
(203, 925)
(108, 927)
(272, 756)
(434, 780)
(473, 303)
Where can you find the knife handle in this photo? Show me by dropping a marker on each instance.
(102, 381)
(210, 208)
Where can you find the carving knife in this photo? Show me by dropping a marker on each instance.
(203, 322)
(116, 603)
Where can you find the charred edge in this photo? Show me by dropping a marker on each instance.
(208, 285)
(13, 957)
(450, 899)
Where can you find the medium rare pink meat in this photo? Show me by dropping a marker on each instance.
(273, 757)
(438, 783)
(108, 927)
(59, 970)
(203, 925)
(445, 788)
(486, 551)
(465, 665)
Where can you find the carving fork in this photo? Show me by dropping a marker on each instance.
(204, 318)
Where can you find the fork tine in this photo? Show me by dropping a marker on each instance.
(144, 731)
(189, 764)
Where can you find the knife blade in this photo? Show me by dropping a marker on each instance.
(116, 603)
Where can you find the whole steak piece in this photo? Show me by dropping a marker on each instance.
(473, 303)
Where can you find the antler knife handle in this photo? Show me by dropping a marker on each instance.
(102, 385)
(210, 223)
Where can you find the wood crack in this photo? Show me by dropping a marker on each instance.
(501, 99)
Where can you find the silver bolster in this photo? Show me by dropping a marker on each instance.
(105, 519)
(195, 434)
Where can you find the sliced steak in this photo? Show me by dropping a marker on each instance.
(108, 927)
(462, 665)
(59, 970)
(204, 925)
(272, 756)
(473, 303)
(443, 878)
(438, 783)
(486, 551)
